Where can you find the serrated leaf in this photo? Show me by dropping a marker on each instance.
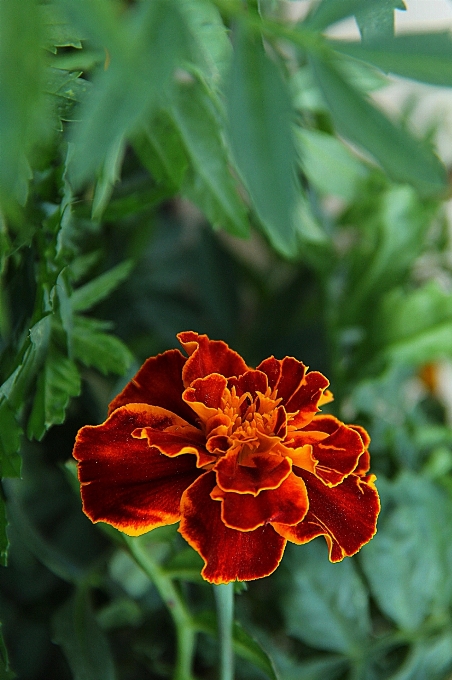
(425, 56)
(16, 386)
(145, 47)
(244, 644)
(98, 289)
(329, 165)
(404, 158)
(327, 607)
(83, 642)
(207, 181)
(101, 350)
(260, 129)
(21, 73)
(411, 553)
(58, 381)
(10, 438)
(65, 90)
(57, 31)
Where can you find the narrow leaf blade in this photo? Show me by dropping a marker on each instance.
(260, 128)
(403, 157)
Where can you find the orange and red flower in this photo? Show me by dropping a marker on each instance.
(240, 456)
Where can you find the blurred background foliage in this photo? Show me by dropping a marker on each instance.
(212, 165)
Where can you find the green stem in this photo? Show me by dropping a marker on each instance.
(224, 596)
(185, 630)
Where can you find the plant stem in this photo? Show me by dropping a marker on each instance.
(224, 596)
(185, 630)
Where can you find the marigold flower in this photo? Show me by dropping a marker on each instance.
(240, 456)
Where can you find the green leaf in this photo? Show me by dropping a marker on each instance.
(411, 552)
(377, 21)
(383, 255)
(404, 158)
(98, 289)
(16, 387)
(6, 673)
(415, 328)
(184, 148)
(327, 606)
(328, 12)
(57, 383)
(10, 439)
(4, 547)
(65, 89)
(162, 152)
(430, 658)
(186, 565)
(425, 56)
(57, 31)
(21, 73)
(212, 45)
(52, 557)
(95, 348)
(244, 645)
(208, 181)
(83, 642)
(329, 165)
(145, 46)
(108, 175)
(260, 129)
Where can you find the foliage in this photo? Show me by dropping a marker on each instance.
(127, 131)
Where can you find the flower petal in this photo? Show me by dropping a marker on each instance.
(262, 471)
(346, 515)
(364, 460)
(173, 436)
(251, 381)
(337, 453)
(208, 356)
(287, 504)
(300, 391)
(204, 395)
(158, 383)
(228, 554)
(126, 483)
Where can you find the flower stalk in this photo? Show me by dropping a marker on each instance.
(183, 622)
(224, 597)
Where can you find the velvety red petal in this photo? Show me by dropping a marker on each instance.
(346, 515)
(338, 453)
(300, 391)
(364, 460)
(251, 381)
(158, 383)
(208, 356)
(287, 504)
(204, 395)
(173, 436)
(126, 483)
(262, 471)
(229, 555)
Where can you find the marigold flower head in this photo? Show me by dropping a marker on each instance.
(240, 456)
